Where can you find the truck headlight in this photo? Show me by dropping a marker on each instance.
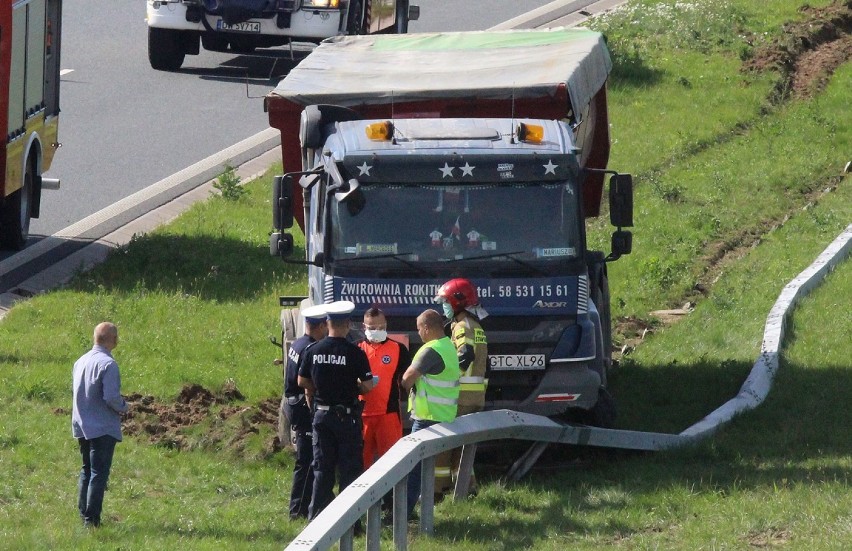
(322, 4)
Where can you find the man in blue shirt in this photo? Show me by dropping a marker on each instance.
(95, 419)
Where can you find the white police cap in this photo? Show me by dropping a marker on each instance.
(340, 309)
(315, 314)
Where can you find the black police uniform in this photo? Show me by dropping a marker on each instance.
(297, 412)
(334, 365)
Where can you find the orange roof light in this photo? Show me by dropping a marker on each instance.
(380, 131)
(530, 133)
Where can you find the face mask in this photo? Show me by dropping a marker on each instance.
(377, 335)
(448, 310)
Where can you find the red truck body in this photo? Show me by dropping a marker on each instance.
(456, 75)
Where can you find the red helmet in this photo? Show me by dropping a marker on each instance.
(459, 293)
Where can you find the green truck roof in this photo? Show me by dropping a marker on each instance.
(380, 69)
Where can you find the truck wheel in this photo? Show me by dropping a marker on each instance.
(599, 293)
(165, 49)
(355, 22)
(603, 413)
(401, 26)
(16, 214)
(288, 335)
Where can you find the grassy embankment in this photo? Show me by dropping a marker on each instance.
(738, 189)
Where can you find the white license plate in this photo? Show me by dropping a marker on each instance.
(244, 27)
(513, 362)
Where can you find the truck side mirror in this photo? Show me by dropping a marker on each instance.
(622, 243)
(282, 202)
(621, 200)
(280, 244)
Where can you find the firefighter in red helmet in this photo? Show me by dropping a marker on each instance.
(460, 303)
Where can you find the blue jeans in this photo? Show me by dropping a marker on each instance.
(97, 461)
(414, 475)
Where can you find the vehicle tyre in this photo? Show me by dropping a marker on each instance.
(599, 294)
(16, 213)
(165, 49)
(355, 23)
(214, 42)
(401, 25)
(603, 413)
(289, 319)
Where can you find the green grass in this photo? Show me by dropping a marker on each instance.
(721, 163)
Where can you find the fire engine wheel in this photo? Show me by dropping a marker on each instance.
(165, 49)
(16, 214)
(356, 19)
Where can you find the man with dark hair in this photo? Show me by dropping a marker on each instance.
(382, 425)
(96, 420)
(333, 372)
(295, 408)
(434, 378)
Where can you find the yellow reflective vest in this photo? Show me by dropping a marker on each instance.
(436, 396)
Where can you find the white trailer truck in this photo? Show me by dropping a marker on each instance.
(176, 27)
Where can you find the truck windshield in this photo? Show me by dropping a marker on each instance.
(527, 224)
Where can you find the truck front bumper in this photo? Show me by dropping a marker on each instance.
(563, 386)
(311, 25)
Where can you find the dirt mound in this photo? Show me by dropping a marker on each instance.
(226, 424)
(808, 51)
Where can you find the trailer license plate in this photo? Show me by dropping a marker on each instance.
(512, 362)
(244, 27)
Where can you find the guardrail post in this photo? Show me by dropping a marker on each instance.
(427, 495)
(465, 469)
(400, 514)
(374, 526)
(346, 540)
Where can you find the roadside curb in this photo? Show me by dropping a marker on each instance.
(138, 214)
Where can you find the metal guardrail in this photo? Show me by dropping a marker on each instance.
(389, 473)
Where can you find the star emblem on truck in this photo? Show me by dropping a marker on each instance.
(364, 169)
(549, 168)
(467, 170)
(447, 170)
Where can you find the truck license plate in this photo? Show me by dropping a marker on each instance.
(244, 27)
(514, 362)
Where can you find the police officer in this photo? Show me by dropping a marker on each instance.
(296, 410)
(434, 378)
(461, 306)
(333, 372)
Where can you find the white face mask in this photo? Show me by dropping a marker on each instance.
(448, 310)
(376, 335)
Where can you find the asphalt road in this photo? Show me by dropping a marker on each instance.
(125, 126)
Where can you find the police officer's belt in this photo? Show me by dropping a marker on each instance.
(336, 409)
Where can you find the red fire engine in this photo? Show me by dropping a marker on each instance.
(29, 109)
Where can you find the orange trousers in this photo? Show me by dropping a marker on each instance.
(380, 432)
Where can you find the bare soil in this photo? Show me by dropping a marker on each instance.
(226, 422)
(808, 51)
